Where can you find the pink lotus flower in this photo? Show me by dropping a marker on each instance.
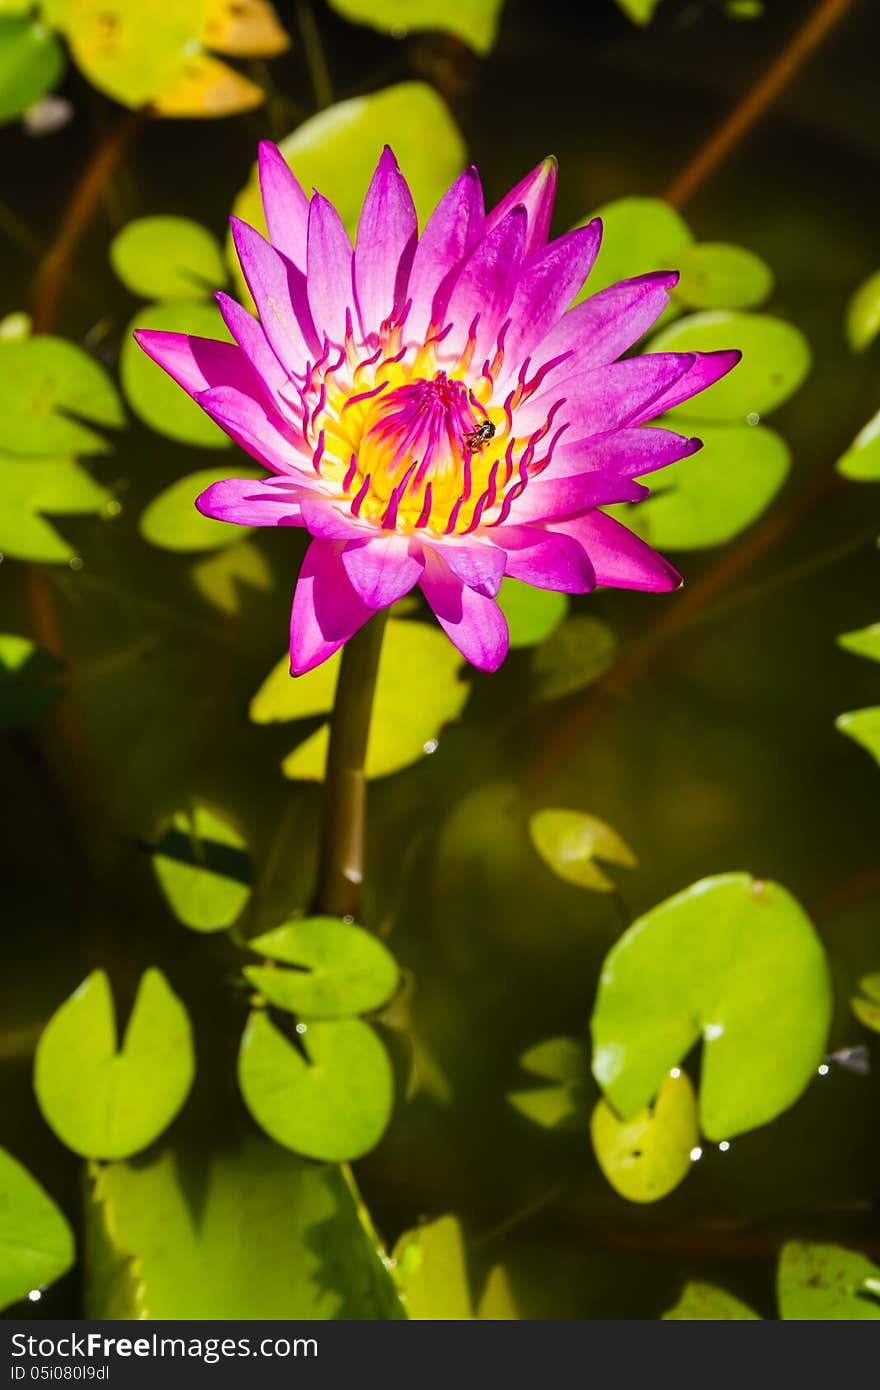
(429, 407)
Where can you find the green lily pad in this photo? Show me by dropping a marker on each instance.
(221, 578)
(646, 1156)
(532, 614)
(576, 654)
(570, 842)
(861, 462)
(638, 235)
(866, 1005)
(36, 1242)
(31, 62)
(25, 672)
(734, 961)
(822, 1283)
(639, 11)
(712, 496)
(863, 314)
(705, 1303)
(343, 969)
(47, 387)
(234, 1232)
(168, 258)
(203, 869)
(475, 22)
(714, 275)
(104, 1103)
(862, 725)
(775, 362)
(419, 690)
(566, 1062)
(865, 642)
(431, 1272)
(31, 488)
(331, 1101)
(337, 151)
(173, 522)
(152, 394)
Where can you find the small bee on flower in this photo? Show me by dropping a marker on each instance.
(475, 439)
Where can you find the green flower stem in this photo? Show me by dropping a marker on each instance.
(341, 866)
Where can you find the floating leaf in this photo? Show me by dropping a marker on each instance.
(244, 29)
(639, 11)
(107, 1104)
(638, 235)
(220, 578)
(247, 1232)
(25, 671)
(475, 22)
(863, 725)
(32, 487)
(151, 392)
(861, 462)
(775, 361)
(735, 961)
(562, 1106)
(821, 1283)
(203, 870)
(419, 689)
(703, 1302)
(576, 653)
(332, 1103)
(343, 969)
(712, 496)
(558, 1059)
(431, 1272)
(867, 1010)
(15, 326)
(31, 62)
(532, 614)
(863, 314)
(646, 1157)
(173, 521)
(714, 275)
(865, 642)
(569, 842)
(168, 258)
(47, 386)
(207, 87)
(36, 1243)
(337, 151)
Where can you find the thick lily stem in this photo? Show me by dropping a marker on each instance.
(341, 866)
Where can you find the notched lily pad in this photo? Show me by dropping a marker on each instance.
(48, 387)
(168, 258)
(203, 869)
(36, 1242)
(343, 970)
(25, 675)
(563, 1105)
(33, 489)
(645, 1157)
(570, 842)
(862, 725)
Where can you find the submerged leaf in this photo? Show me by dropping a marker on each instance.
(47, 387)
(104, 1103)
(343, 969)
(576, 653)
(704, 1303)
(168, 258)
(570, 842)
(646, 1156)
(561, 1106)
(36, 1243)
(203, 870)
(733, 960)
(25, 671)
(866, 1005)
(331, 1101)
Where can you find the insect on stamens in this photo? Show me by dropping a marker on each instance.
(475, 439)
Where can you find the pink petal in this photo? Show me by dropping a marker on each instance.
(386, 242)
(326, 610)
(607, 397)
(333, 521)
(708, 367)
(278, 290)
(536, 193)
(329, 260)
(620, 559)
(473, 622)
(632, 453)
(257, 428)
(285, 205)
(250, 502)
(484, 287)
(453, 230)
(197, 364)
(601, 328)
(479, 566)
(578, 492)
(546, 559)
(548, 284)
(381, 570)
(248, 332)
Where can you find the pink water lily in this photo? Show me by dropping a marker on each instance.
(430, 408)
